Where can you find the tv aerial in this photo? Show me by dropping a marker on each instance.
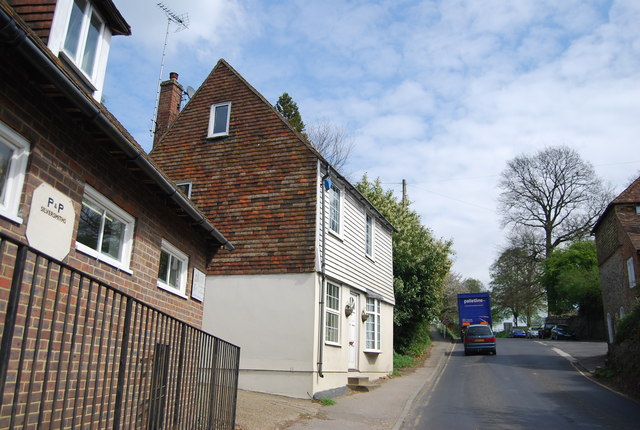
(182, 23)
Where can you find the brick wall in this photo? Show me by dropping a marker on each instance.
(66, 153)
(258, 185)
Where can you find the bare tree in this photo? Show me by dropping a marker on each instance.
(555, 192)
(332, 141)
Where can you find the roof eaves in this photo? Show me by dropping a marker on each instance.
(15, 33)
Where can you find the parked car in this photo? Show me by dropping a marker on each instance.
(479, 338)
(546, 331)
(518, 332)
(533, 332)
(562, 332)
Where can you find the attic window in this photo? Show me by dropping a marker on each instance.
(219, 119)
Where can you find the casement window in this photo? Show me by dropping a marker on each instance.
(14, 154)
(105, 231)
(185, 187)
(372, 325)
(172, 271)
(631, 272)
(219, 119)
(332, 314)
(335, 207)
(368, 234)
(80, 36)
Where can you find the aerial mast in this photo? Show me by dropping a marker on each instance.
(182, 23)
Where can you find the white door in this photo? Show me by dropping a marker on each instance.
(352, 322)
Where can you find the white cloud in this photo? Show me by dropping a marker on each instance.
(441, 93)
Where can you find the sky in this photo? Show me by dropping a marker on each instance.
(441, 94)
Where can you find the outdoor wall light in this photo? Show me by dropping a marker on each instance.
(364, 316)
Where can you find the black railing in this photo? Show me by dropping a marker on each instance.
(77, 353)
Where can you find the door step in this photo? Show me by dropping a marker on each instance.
(362, 384)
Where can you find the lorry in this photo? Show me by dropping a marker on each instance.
(473, 308)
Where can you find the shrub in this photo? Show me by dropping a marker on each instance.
(628, 325)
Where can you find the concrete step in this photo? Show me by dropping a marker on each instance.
(361, 384)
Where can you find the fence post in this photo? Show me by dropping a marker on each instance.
(179, 377)
(11, 315)
(123, 365)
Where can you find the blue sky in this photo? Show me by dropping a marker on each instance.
(440, 93)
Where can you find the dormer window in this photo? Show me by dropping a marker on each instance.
(80, 35)
(219, 119)
(84, 36)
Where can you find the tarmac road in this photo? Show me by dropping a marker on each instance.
(529, 384)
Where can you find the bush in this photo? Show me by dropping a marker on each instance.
(628, 325)
(417, 343)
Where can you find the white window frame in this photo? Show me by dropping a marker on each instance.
(212, 120)
(58, 35)
(372, 325)
(188, 185)
(96, 198)
(631, 272)
(330, 330)
(10, 195)
(369, 234)
(336, 214)
(175, 253)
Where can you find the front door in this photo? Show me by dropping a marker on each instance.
(352, 322)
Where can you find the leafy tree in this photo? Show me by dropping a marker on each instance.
(332, 141)
(572, 279)
(473, 285)
(516, 289)
(554, 194)
(289, 111)
(420, 265)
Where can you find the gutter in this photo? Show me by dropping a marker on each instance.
(12, 35)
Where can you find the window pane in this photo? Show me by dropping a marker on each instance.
(91, 47)
(89, 225)
(220, 121)
(333, 297)
(332, 327)
(334, 211)
(6, 154)
(369, 234)
(112, 237)
(75, 26)
(174, 272)
(164, 266)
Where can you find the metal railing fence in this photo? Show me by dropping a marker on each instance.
(78, 353)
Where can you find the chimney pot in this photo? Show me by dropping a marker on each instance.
(173, 76)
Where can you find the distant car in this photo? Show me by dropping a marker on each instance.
(533, 332)
(546, 331)
(479, 338)
(562, 332)
(518, 332)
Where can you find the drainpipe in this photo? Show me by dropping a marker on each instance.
(326, 184)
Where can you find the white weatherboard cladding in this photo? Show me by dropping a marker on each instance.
(346, 259)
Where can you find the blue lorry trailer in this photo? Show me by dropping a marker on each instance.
(474, 308)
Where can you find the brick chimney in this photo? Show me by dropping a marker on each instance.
(168, 105)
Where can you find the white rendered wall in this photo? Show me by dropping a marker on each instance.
(272, 318)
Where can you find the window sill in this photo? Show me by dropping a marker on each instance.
(372, 351)
(80, 74)
(370, 257)
(336, 234)
(11, 217)
(110, 261)
(336, 345)
(216, 136)
(172, 290)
